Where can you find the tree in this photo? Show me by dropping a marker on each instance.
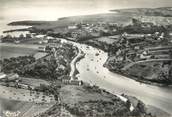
(128, 104)
(170, 53)
(170, 73)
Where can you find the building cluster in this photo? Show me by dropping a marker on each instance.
(51, 45)
(72, 82)
(136, 47)
(13, 80)
(40, 39)
(16, 39)
(13, 77)
(91, 30)
(142, 24)
(85, 31)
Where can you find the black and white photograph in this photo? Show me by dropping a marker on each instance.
(85, 58)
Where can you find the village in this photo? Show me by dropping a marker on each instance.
(49, 52)
(44, 88)
(125, 51)
(52, 71)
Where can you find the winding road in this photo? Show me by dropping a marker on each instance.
(73, 64)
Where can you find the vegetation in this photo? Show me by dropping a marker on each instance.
(97, 103)
(42, 69)
(49, 90)
(48, 68)
(16, 64)
(128, 55)
(52, 67)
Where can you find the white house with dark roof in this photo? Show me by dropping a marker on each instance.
(2, 75)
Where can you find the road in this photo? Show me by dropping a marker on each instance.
(73, 64)
(143, 61)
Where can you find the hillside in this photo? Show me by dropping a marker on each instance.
(162, 11)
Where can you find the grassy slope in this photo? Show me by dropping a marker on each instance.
(77, 95)
(13, 50)
(162, 11)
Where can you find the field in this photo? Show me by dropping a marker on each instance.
(107, 40)
(23, 101)
(39, 55)
(22, 108)
(34, 82)
(76, 94)
(14, 50)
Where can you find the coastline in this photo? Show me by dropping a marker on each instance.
(16, 30)
(127, 75)
(137, 79)
(141, 81)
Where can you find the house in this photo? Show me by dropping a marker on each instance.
(74, 34)
(45, 41)
(65, 81)
(120, 58)
(40, 36)
(72, 27)
(170, 33)
(28, 35)
(17, 42)
(2, 76)
(60, 67)
(13, 77)
(137, 47)
(25, 86)
(145, 55)
(1, 37)
(53, 45)
(42, 49)
(76, 82)
(72, 82)
(118, 52)
(64, 78)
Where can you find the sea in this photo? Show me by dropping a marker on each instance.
(14, 11)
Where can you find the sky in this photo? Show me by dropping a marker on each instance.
(90, 3)
(52, 9)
